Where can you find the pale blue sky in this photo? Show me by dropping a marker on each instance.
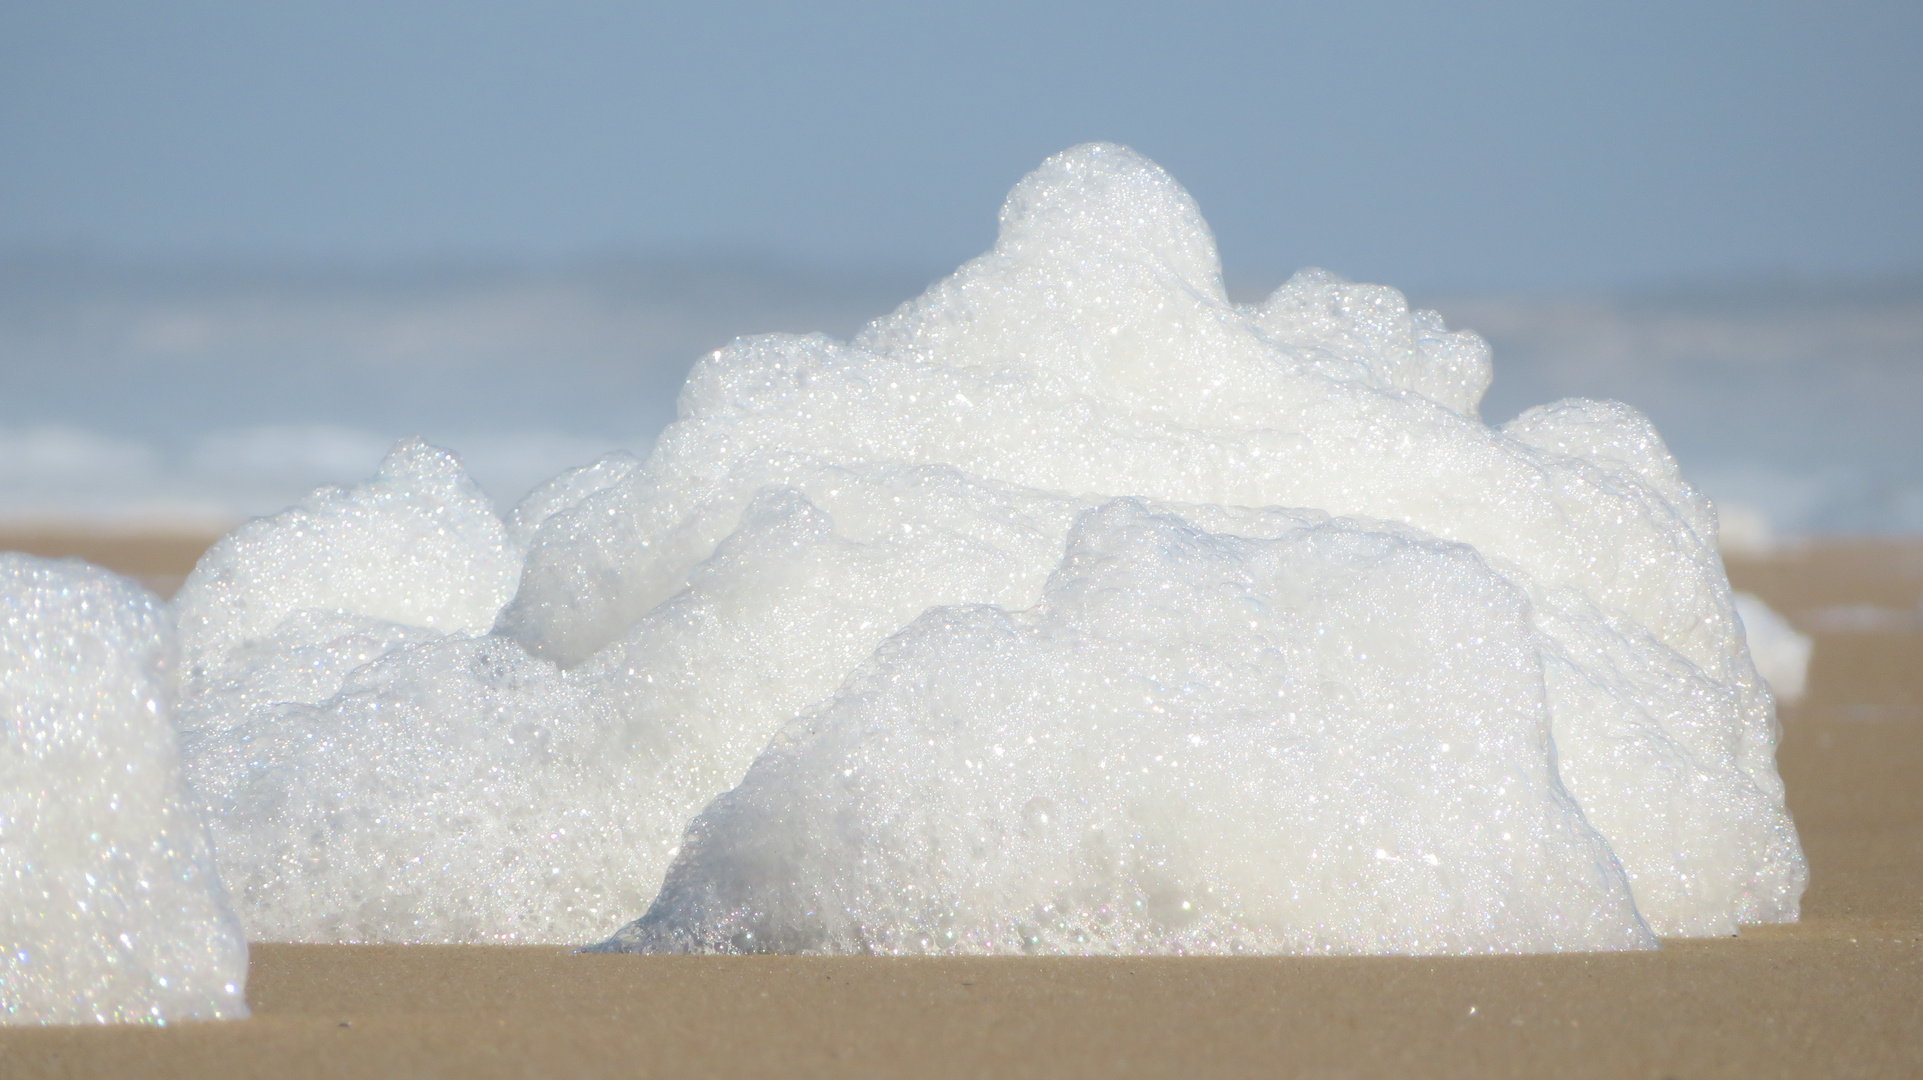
(1535, 146)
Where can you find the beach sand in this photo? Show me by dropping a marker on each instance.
(158, 560)
(1838, 994)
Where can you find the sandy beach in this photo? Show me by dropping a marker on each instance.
(1838, 994)
(158, 560)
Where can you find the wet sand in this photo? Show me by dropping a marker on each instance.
(1837, 994)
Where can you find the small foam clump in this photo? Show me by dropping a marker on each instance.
(1480, 689)
(375, 766)
(1781, 653)
(418, 545)
(110, 906)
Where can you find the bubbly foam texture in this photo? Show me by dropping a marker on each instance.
(110, 906)
(1334, 740)
(1483, 690)
(418, 545)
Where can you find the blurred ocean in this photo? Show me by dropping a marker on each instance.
(1798, 403)
(195, 397)
(201, 396)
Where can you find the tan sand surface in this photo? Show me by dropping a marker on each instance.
(159, 560)
(1838, 994)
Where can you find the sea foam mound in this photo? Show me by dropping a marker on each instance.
(110, 906)
(1313, 736)
(817, 536)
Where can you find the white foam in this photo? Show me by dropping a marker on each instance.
(1744, 530)
(1780, 653)
(1558, 598)
(110, 909)
(1334, 740)
(418, 545)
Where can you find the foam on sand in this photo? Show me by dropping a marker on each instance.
(375, 766)
(110, 908)
(1329, 739)
(1444, 688)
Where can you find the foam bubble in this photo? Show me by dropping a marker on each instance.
(110, 908)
